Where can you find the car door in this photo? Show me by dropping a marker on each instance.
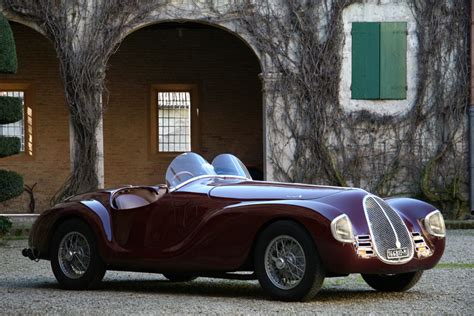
(172, 223)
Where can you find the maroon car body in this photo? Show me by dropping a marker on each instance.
(210, 225)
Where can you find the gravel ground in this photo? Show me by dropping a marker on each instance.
(27, 288)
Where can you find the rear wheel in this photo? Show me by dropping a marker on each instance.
(392, 282)
(75, 258)
(179, 277)
(287, 263)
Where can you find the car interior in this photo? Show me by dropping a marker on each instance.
(133, 197)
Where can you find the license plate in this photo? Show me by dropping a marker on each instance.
(397, 253)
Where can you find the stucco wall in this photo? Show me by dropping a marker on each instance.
(378, 11)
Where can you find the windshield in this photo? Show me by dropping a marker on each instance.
(190, 165)
(227, 164)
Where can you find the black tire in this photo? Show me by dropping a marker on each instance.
(392, 282)
(93, 274)
(179, 277)
(313, 276)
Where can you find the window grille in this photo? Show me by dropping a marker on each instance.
(174, 121)
(17, 128)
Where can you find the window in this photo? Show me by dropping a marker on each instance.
(22, 129)
(379, 58)
(173, 120)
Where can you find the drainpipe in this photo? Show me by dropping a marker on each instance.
(471, 152)
(471, 120)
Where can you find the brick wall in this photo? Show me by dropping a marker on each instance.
(38, 66)
(230, 115)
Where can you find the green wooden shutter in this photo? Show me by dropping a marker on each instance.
(393, 60)
(365, 60)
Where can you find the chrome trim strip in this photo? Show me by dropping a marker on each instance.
(103, 214)
(206, 176)
(405, 260)
(247, 179)
(309, 185)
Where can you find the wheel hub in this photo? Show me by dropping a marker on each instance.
(280, 263)
(69, 255)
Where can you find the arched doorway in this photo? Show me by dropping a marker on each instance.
(202, 74)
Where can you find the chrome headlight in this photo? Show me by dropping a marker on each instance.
(434, 224)
(341, 228)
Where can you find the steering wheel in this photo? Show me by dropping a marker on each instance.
(182, 174)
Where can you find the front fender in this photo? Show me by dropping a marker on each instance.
(239, 224)
(411, 207)
(412, 211)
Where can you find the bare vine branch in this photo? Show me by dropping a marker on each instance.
(85, 34)
(421, 153)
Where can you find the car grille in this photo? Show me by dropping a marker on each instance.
(387, 229)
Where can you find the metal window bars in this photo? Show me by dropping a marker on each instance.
(174, 121)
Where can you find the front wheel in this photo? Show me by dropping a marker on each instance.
(287, 262)
(392, 282)
(75, 258)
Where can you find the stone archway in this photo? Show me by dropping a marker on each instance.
(220, 69)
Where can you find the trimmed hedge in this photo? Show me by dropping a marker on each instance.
(9, 146)
(11, 185)
(5, 225)
(8, 62)
(11, 109)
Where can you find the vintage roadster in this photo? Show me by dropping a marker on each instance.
(213, 220)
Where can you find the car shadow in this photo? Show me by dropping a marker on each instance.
(236, 289)
(199, 287)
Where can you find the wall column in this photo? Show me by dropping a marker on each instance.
(270, 98)
(99, 134)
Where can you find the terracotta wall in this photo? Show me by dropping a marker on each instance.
(49, 167)
(226, 73)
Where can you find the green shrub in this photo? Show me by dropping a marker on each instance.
(9, 146)
(11, 109)
(11, 185)
(5, 225)
(8, 63)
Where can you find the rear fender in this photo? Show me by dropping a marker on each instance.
(95, 215)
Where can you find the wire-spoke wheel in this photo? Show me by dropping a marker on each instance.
(287, 263)
(75, 258)
(74, 255)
